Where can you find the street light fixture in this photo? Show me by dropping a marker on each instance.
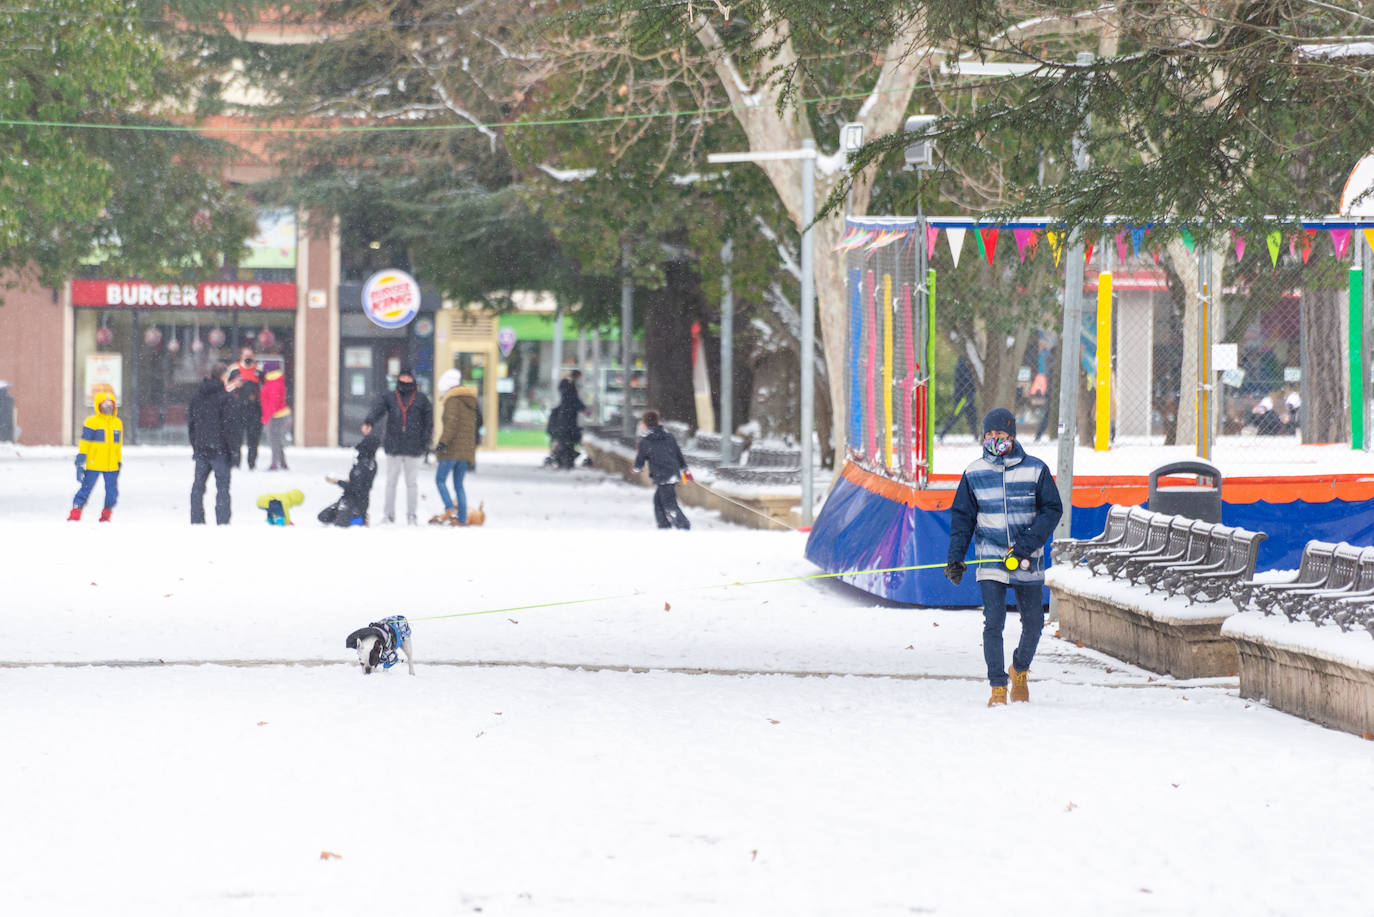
(807, 154)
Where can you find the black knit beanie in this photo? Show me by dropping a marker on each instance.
(999, 419)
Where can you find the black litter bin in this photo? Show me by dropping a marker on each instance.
(1196, 501)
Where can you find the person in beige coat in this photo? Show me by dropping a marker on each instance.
(460, 424)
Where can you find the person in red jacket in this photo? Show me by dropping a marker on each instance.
(275, 416)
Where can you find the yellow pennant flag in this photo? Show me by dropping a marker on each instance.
(1369, 237)
(1056, 240)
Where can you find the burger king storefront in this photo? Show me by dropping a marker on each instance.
(152, 343)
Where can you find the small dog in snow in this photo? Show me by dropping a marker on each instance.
(378, 642)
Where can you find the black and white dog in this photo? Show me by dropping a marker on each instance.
(378, 642)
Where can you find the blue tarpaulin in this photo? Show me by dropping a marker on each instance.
(861, 530)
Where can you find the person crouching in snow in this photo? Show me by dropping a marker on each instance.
(1008, 505)
(661, 452)
(100, 454)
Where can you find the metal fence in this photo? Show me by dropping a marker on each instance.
(1255, 344)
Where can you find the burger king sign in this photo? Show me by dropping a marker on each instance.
(391, 299)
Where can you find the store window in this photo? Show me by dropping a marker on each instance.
(154, 360)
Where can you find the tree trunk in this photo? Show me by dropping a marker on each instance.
(1325, 406)
(668, 316)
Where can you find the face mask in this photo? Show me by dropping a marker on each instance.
(996, 445)
(405, 388)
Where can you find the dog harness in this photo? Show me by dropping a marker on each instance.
(391, 632)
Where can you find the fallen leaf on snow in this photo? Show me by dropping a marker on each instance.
(667, 607)
(775, 722)
(326, 855)
(753, 855)
(1109, 670)
(1367, 736)
(934, 623)
(262, 722)
(1070, 807)
(911, 646)
(512, 620)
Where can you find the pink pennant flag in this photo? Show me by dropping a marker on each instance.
(1340, 240)
(1121, 246)
(1293, 246)
(955, 237)
(932, 233)
(1025, 238)
(1240, 244)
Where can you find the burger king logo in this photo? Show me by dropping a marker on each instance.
(391, 299)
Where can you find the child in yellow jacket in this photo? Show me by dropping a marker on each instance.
(100, 454)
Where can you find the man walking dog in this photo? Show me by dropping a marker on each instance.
(1008, 505)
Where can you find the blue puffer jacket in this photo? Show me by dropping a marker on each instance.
(1005, 503)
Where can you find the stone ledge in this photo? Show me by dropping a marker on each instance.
(1306, 682)
(1190, 647)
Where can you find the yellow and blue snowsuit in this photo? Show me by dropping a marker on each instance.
(100, 453)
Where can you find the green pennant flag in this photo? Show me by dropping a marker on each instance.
(1274, 240)
(1188, 241)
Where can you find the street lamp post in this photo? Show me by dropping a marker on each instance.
(807, 154)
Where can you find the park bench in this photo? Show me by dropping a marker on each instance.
(1349, 578)
(1242, 550)
(1069, 550)
(703, 450)
(1137, 530)
(1312, 571)
(1187, 543)
(1156, 542)
(1218, 544)
(1321, 605)
(1340, 577)
(765, 465)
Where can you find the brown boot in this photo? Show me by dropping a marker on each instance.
(999, 695)
(1020, 687)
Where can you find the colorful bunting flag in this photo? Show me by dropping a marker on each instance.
(1056, 240)
(1307, 235)
(1025, 239)
(1340, 241)
(1137, 236)
(955, 237)
(885, 238)
(1188, 241)
(987, 241)
(1120, 247)
(853, 239)
(1088, 252)
(1274, 240)
(1240, 244)
(1369, 236)
(932, 233)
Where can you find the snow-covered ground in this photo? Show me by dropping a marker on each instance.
(185, 733)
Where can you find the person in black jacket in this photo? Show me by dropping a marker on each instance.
(660, 451)
(562, 428)
(213, 430)
(409, 431)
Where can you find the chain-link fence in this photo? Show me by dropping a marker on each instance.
(1251, 347)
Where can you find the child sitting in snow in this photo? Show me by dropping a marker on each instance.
(351, 508)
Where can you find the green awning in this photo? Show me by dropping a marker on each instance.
(533, 326)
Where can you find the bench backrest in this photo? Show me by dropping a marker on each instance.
(1116, 522)
(1364, 569)
(1218, 544)
(1344, 564)
(1241, 552)
(1180, 533)
(1157, 536)
(1199, 541)
(1137, 528)
(1316, 561)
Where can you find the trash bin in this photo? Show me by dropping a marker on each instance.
(6, 413)
(1196, 501)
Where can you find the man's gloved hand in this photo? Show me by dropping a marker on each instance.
(687, 475)
(80, 466)
(954, 571)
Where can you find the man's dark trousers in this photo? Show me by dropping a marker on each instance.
(219, 464)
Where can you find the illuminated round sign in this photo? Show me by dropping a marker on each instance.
(391, 299)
